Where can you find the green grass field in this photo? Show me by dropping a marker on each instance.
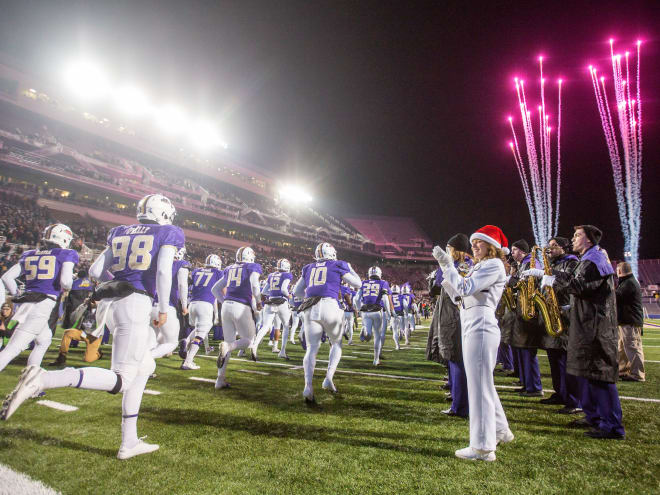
(378, 435)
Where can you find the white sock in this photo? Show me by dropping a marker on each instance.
(85, 378)
(333, 360)
(130, 407)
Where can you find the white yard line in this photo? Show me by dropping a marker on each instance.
(199, 379)
(255, 372)
(57, 405)
(151, 392)
(18, 483)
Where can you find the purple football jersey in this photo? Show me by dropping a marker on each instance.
(347, 290)
(323, 278)
(82, 284)
(135, 251)
(238, 281)
(174, 291)
(274, 283)
(386, 286)
(203, 279)
(373, 291)
(397, 301)
(42, 269)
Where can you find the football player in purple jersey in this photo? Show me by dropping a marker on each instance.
(347, 295)
(400, 307)
(139, 260)
(240, 301)
(203, 307)
(372, 299)
(164, 338)
(277, 305)
(320, 285)
(409, 320)
(297, 318)
(47, 271)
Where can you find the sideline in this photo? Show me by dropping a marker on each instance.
(14, 483)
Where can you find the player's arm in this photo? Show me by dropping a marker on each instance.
(101, 266)
(357, 302)
(218, 289)
(164, 282)
(66, 275)
(299, 289)
(404, 303)
(10, 276)
(256, 292)
(285, 288)
(352, 279)
(182, 282)
(386, 303)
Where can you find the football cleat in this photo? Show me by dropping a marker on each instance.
(222, 356)
(329, 386)
(475, 455)
(29, 385)
(504, 436)
(138, 449)
(189, 367)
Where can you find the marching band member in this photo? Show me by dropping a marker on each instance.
(480, 291)
(320, 282)
(593, 334)
(526, 337)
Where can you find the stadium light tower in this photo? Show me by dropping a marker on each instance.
(171, 119)
(204, 135)
(86, 79)
(132, 101)
(294, 193)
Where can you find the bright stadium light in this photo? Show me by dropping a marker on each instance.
(132, 101)
(204, 135)
(294, 193)
(86, 79)
(171, 119)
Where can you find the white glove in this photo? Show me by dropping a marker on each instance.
(441, 255)
(533, 272)
(547, 281)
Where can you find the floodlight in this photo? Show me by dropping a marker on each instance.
(171, 119)
(86, 79)
(294, 193)
(204, 134)
(132, 100)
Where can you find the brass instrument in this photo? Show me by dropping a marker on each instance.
(552, 313)
(527, 290)
(508, 300)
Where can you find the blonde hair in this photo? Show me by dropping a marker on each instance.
(459, 255)
(493, 252)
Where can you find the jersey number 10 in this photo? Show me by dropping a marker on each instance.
(317, 276)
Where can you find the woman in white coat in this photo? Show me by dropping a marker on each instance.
(480, 291)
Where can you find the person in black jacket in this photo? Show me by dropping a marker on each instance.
(593, 335)
(631, 322)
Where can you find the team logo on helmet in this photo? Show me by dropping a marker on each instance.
(283, 265)
(245, 254)
(156, 208)
(325, 251)
(395, 289)
(375, 271)
(58, 234)
(180, 254)
(213, 261)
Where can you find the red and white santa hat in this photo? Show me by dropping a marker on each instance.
(492, 235)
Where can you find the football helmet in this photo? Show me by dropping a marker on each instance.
(156, 208)
(213, 261)
(325, 251)
(405, 289)
(395, 289)
(180, 254)
(283, 265)
(375, 271)
(245, 254)
(58, 234)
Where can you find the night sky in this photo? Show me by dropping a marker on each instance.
(394, 108)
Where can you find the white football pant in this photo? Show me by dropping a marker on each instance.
(163, 340)
(237, 319)
(201, 318)
(274, 314)
(373, 323)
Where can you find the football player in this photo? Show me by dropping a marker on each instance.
(347, 295)
(400, 307)
(202, 307)
(164, 338)
(277, 285)
(47, 272)
(372, 300)
(139, 258)
(239, 303)
(320, 285)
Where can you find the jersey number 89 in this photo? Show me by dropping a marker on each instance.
(140, 252)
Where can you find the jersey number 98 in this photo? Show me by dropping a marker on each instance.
(137, 253)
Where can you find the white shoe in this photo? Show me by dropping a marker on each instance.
(376, 362)
(329, 386)
(309, 396)
(189, 367)
(271, 343)
(504, 436)
(293, 341)
(241, 353)
(475, 455)
(282, 355)
(220, 384)
(140, 448)
(253, 353)
(350, 342)
(222, 356)
(275, 348)
(29, 385)
(397, 347)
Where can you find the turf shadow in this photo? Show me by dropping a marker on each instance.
(48, 440)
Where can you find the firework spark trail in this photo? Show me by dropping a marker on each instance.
(626, 166)
(537, 175)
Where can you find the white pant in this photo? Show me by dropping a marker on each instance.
(386, 321)
(481, 338)
(201, 317)
(373, 323)
(325, 316)
(272, 313)
(348, 324)
(33, 325)
(164, 340)
(236, 320)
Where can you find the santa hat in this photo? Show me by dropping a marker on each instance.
(492, 235)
